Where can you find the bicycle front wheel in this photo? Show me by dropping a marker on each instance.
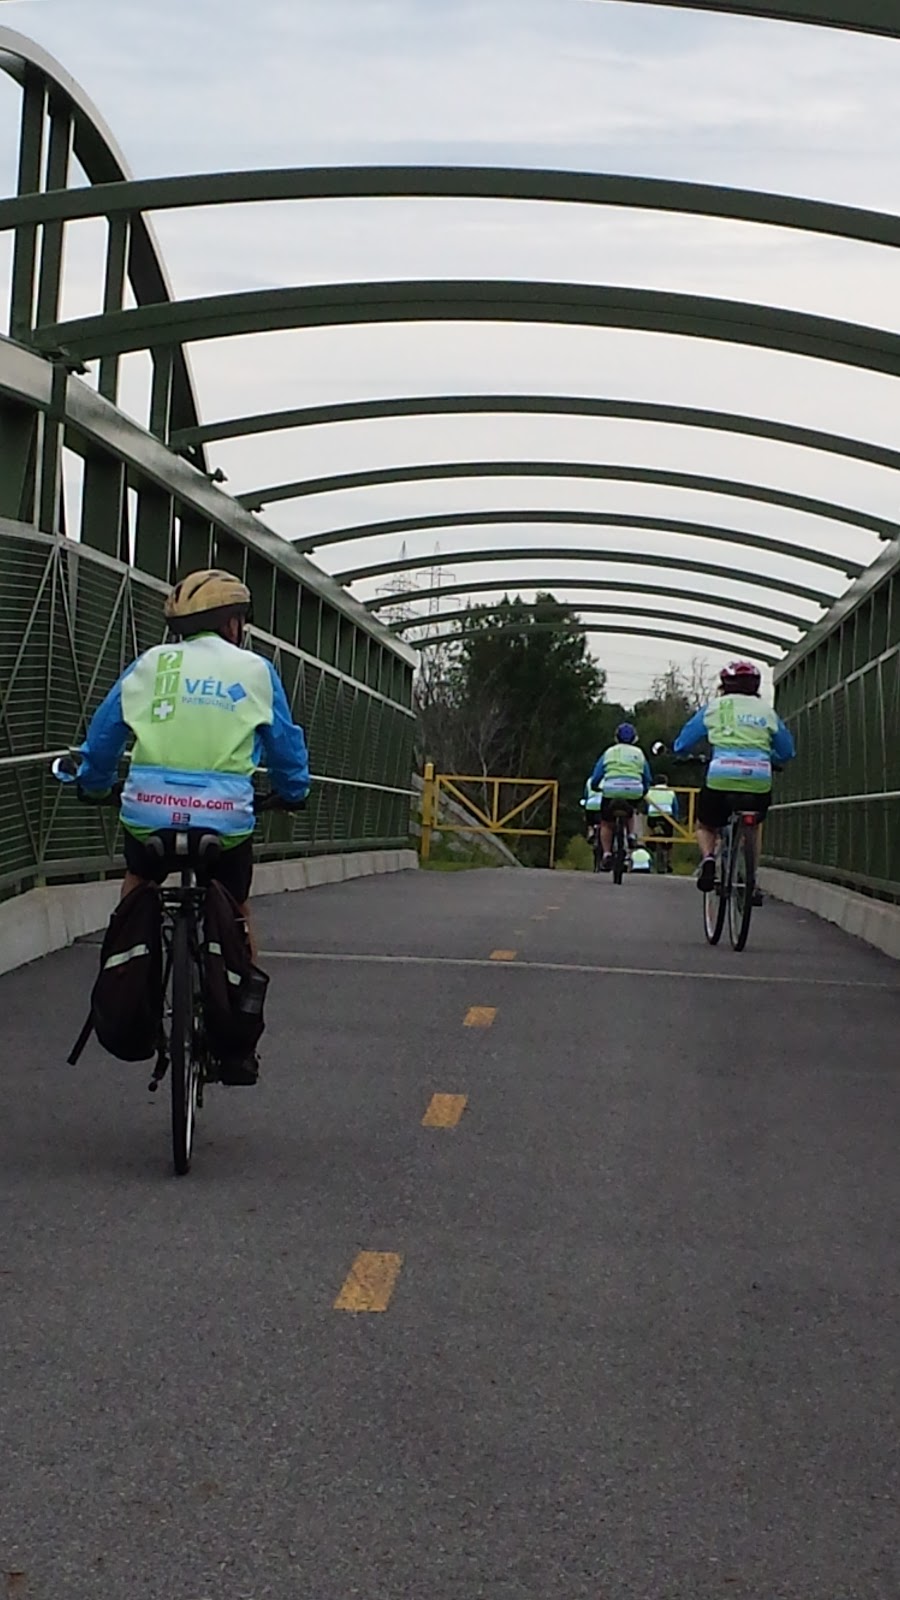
(742, 886)
(185, 1066)
(715, 902)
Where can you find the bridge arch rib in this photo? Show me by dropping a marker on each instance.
(543, 584)
(636, 613)
(854, 16)
(538, 405)
(705, 640)
(470, 300)
(522, 555)
(525, 184)
(608, 472)
(49, 91)
(600, 519)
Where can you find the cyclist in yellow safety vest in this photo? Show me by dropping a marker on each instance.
(622, 775)
(745, 733)
(590, 804)
(662, 813)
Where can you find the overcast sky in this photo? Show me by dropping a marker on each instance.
(586, 84)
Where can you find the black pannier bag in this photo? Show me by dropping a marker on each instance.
(234, 990)
(127, 997)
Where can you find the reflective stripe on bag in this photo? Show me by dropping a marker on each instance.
(215, 949)
(122, 956)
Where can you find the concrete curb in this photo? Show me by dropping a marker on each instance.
(42, 920)
(279, 877)
(874, 921)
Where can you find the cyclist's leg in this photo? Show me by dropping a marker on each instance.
(713, 811)
(234, 870)
(606, 830)
(141, 866)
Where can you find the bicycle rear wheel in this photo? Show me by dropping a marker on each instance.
(742, 885)
(619, 851)
(185, 1065)
(715, 900)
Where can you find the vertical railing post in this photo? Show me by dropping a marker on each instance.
(554, 815)
(31, 151)
(161, 392)
(117, 248)
(50, 490)
(19, 434)
(53, 233)
(428, 810)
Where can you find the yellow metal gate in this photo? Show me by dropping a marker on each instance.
(493, 811)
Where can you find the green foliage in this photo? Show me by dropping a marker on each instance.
(456, 852)
(577, 856)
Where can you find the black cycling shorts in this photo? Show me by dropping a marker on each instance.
(661, 827)
(714, 806)
(610, 802)
(233, 868)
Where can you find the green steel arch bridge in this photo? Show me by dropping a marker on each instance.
(81, 582)
(626, 1204)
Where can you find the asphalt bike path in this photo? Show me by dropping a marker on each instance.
(554, 1254)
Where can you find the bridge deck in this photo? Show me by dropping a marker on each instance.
(643, 1342)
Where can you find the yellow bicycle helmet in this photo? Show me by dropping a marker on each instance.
(204, 600)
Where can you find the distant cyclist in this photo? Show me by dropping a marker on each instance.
(622, 774)
(662, 814)
(745, 733)
(591, 803)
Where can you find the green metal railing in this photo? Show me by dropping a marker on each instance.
(71, 619)
(838, 810)
(98, 517)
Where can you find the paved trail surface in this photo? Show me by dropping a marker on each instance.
(641, 1329)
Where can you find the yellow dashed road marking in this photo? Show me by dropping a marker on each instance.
(370, 1282)
(503, 955)
(479, 1016)
(444, 1110)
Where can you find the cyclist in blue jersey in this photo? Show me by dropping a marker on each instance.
(745, 733)
(622, 775)
(203, 713)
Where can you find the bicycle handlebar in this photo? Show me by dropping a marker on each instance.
(270, 801)
(65, 769)
(701, 760)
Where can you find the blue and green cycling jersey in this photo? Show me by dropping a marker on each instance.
(204, 715)
(622, 772)
(745, 733)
